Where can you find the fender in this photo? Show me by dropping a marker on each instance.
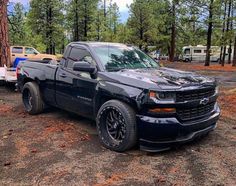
(110, 90)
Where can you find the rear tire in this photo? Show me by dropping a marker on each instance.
(116, 125)
(32, 98)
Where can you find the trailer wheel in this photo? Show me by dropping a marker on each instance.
(2, 82)
(32, 98)
(116, 125)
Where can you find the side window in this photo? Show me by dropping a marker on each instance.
(30, 50)
(79, 55)
(17, 50)
(197, 51)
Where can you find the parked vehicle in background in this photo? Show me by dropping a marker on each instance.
(7, 75)
(155, 54)
(131, 97)
(198, 53)
(29, 53)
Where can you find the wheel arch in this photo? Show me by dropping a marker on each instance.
(118, 92)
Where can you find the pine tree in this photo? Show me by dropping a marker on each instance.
(45, 19)
(17, 25)
(4, 44)
(140, 22)
(80, 17)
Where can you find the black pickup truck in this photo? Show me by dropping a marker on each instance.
(132, 98)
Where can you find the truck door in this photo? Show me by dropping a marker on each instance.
(30, 52)
(75, 90)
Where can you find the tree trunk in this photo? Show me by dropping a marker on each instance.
(227, 30)
(209, 34)
(231, 39)
(173, 33)
(85, 21)
(104, 10)
(141, 29)
(4, 38)
(223, 32)
(49, 34)
(234, 58)
(76, 22)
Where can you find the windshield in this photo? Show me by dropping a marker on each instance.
(118, 57)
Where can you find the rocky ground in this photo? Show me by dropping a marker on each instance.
(59, 148)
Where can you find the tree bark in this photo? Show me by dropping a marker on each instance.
(104, 10)
(227, 30)
(4, 38)
(173, 33)
(49, 34)
(85, 20)
(76, 22)
(223, 32)
(209, 34)
(231, 29)
(234, 58)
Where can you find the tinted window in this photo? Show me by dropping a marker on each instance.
(117, 57)
(197, 51)
(30, 51)
(77, 55)
(17, 50)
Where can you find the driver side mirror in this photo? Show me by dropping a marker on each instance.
(84, 67)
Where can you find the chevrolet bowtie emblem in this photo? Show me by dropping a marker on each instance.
(204, 101)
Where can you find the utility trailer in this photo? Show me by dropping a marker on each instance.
(7, 75)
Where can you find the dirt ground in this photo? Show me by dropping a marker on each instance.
(59, 148)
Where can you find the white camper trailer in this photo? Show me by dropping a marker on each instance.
(198, 53)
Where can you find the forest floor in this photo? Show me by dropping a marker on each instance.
(59, 148)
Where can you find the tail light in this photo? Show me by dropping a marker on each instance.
(17, 72)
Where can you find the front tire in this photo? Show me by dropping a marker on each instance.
(116, 125)
(32, 98)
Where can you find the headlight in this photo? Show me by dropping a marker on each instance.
(162, 96)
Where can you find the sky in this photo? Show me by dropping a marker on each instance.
(124, 12)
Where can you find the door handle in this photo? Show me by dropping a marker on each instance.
(63, 75)
(13, 55)
(26, 55)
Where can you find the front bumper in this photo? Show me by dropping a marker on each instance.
(159, 134)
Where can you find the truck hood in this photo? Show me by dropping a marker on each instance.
(162, 78)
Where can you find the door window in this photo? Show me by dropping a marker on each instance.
(17, 50)
(30, 51)
(79, 55)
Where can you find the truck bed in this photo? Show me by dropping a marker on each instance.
(39, 69)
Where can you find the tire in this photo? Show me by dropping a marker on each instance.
(117, 116)
(187, 60)
(32, 98)
(2, 83)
